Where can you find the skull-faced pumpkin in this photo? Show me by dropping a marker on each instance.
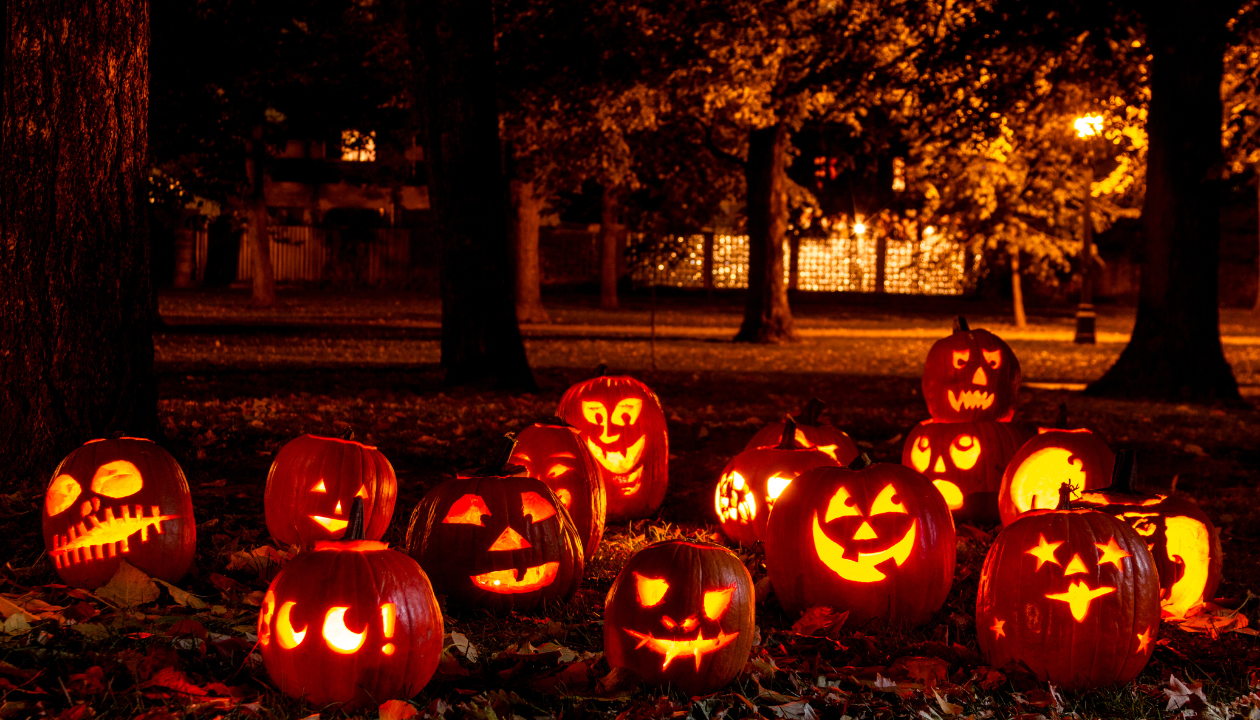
(875, 540)
(681, 612)
(552, 451)
(969, 376)
(1055, 456)
(313, 482)
(623, 425)
(115, 499)
(811, 432)
(965, 461)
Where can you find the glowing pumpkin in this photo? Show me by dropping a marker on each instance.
(754, 479)
(965, 461)
(1185, 544)
(1071, 593)
(970, 376)
(623, 425)
(115, 499)
(1053, 457)
(811, 432)
(350, 623)
(875, 540)
(552, 451)
(682, 613)
(314, 481)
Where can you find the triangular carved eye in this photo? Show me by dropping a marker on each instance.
(536, 507)
(841, 505)
(319, 486)
(651, 591)
(594, 412)
(363, 493)
(994, 358)
(716, 602)
(468, 510)
(888, 502)
(62, 493)
(961, 357)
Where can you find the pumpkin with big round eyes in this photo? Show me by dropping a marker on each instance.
(314, 480)
(965, 461)
(970, 376)
(876, 540)
(811, 432)
(1054, 456)
(681, 612)
(552, 451)
(115, 499)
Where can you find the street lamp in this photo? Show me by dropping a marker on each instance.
(1089, 126)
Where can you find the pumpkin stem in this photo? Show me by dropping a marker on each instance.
(960, 324)
(1060, 422)
(788, 440)
(812, 412)
(1065, 496)
(1124, 473)
(355, 530)
(601, 370)
(347, 433)
(498, 465)
(861, 462)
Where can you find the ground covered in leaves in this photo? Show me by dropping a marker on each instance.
(237, 384)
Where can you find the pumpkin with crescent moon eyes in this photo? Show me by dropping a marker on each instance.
(1049, 459)
(969, 376)
(876, 540)
(115, 499)
(552, 451)
(681, 612)
(811, 432)
(965, 461)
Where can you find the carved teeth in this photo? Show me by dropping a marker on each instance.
(970, 399)
(108, 536)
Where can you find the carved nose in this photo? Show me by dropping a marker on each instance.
(980, 378)
(940, 465)
(866, 532)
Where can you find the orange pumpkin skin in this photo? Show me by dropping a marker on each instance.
(969, 376)
(556, 454)
(681, 612)
(744, 498)
(624, 427)
(111, 500)
(496, 542)
(1049, 459)
(965, 462)
(314, 480)
(373, 602)
(1073, 594)
(878, 542)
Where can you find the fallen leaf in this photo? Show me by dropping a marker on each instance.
(183, 597)
(172, 679)
(91, 631)
(16, 624)
(821, 621)
(397, 710)
(129, 587)
(1180, 694)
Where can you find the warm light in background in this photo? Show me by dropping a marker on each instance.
(358, 147)
(1088, 126)
(859, 228)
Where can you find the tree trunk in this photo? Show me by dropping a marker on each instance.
(529, 307)
(1175, 351)
(1256, 307)
(481, 339)
(609, 247)
(76, 314)
(767, 316)
(264, 278)
(1017, 291)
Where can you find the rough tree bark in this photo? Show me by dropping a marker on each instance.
(529, 306)
(767, 316)
(263, 277)
(481, 339)
(76, 314)
(1175, 351)
(1017, 291)
(609, 246)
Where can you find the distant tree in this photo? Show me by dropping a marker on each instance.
(76, 305)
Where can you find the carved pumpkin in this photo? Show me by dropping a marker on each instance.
(1185, 544)
(552, 451)
(965, 461)
(314, 481)
(1071, 593)
(875, 540)
(115, 499)
(970, 376)
(350, 622)
(681, 612)
(810, 433)
(1055, 456)
(496, 541)
(754, 479)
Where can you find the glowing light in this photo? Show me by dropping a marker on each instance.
(775, 487)
(965, 451)
(1088, 126)
(1036, 482)
(339, 637)
(921, 453)
(363, 493)
(863, 568)
(389, 613)
(998, 628)
(62, 493)
(468, 510)
(650, 590)
(1189, 543)
(951, 492)
(841, 505)
(1079, 596)
(285, 634)
(1111, 553)
(536, 507)
(677, 648)
(264, 618)
(1144, 640)
(993, 357)
(117, 479)
(716, 602)
(506, 583)
(1075, 566)
(330, 524)
(1044, 552)
(970, 399)
(509, 539)
(618, 463)
(319, 486)
(566, 497)
(980, 378)
(859, 228)
(887, 502)
(556, 471)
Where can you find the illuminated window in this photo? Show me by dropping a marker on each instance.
(357, 147)
(899, 174)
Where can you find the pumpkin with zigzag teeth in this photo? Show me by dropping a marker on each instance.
(969, 376)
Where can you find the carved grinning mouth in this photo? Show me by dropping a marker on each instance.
(330, 524)
(971, 400)
(107, 537)
(671, 649)
(619, 463)
(514, 581)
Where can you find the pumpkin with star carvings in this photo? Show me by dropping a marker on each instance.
(969, 376)
(552, 451)
(681, 613)
(1073, 594)
(965, 461)
(624, 427)
(876, 540)
(350, 623)
(811, 432)
(111, 500)
(1052, 457)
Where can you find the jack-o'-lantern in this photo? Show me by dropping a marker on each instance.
(1071, 593)
(681, 612)
(115, 499)
(552, 451)
(1042, 465)
(313, 482)
(811, 432)
(496, 541)
(1184, 542)
(754, 479)
(623, 425)
(971, 375)
(350, 623)
(965, 461)
(875, 540)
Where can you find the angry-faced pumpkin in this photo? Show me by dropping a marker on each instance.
(875, 540)
(1185, 544)
(350, 623)
(552, 451)
(115, 499)
(965, 461)
(1055, 456)
(681, 612)
(811, 432)
(1071, 593)
(971, 375)
(624, 427)
(753, 480)
(313, 482)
